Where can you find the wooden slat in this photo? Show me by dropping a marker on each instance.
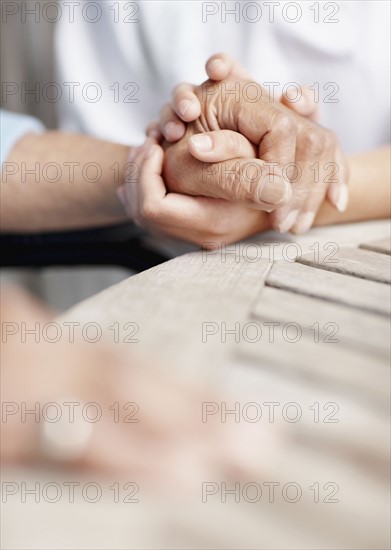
(366, 331)
(330, 286)
(331, 364)
(171, 302)
(383, 246)
(339, 427)
(353, 261)
(355, 522)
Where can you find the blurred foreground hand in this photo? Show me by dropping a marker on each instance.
(87, 406)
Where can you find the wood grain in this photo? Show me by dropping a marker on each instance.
(366, 331)
(383, 246)
(170, 303)
(341, 418)
(325, 362)
(353, 261)
(330, 286)
(173, 302)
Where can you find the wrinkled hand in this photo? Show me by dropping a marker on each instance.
(185, 106)
(243, 179)
(309, 155)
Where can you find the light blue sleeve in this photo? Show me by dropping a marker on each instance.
(12, 127)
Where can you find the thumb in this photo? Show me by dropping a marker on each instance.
(221, 66)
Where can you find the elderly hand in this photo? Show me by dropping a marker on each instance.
(308, 154)
(185, 106)
(241, 178)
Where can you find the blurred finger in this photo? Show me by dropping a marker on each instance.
(338, 196)
(171, 126)
(306, 216)
(185, 103)
(222, 65)
(332, 182)
(338, 191)
(153, 131)
(284, 218)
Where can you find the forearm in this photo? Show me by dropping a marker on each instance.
(54, 181)
(369, 190)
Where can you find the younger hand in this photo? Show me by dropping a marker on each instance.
(199, 220)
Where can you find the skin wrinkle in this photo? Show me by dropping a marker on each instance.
(291, 139)
(211, 110)
(216, 109)
(310, 194)
(231, 182)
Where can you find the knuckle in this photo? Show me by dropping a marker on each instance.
(312, 140)
(284, 123)
(242, 182)
(232, 181)
(246, 181)
(234, 143)
(251, 183)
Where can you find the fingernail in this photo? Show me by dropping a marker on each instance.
(202, 143)
(342, 198)
(274, 191)
(304, 222)
(187, 107)
(217, 65)
(288, 222)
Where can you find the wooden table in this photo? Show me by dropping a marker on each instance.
(210, 315)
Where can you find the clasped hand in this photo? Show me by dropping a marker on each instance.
(236, 162)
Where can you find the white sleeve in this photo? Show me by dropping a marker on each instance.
(12, 127)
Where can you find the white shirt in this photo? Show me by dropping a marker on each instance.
(344, 57)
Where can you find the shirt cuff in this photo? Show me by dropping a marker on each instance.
(13, 126)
